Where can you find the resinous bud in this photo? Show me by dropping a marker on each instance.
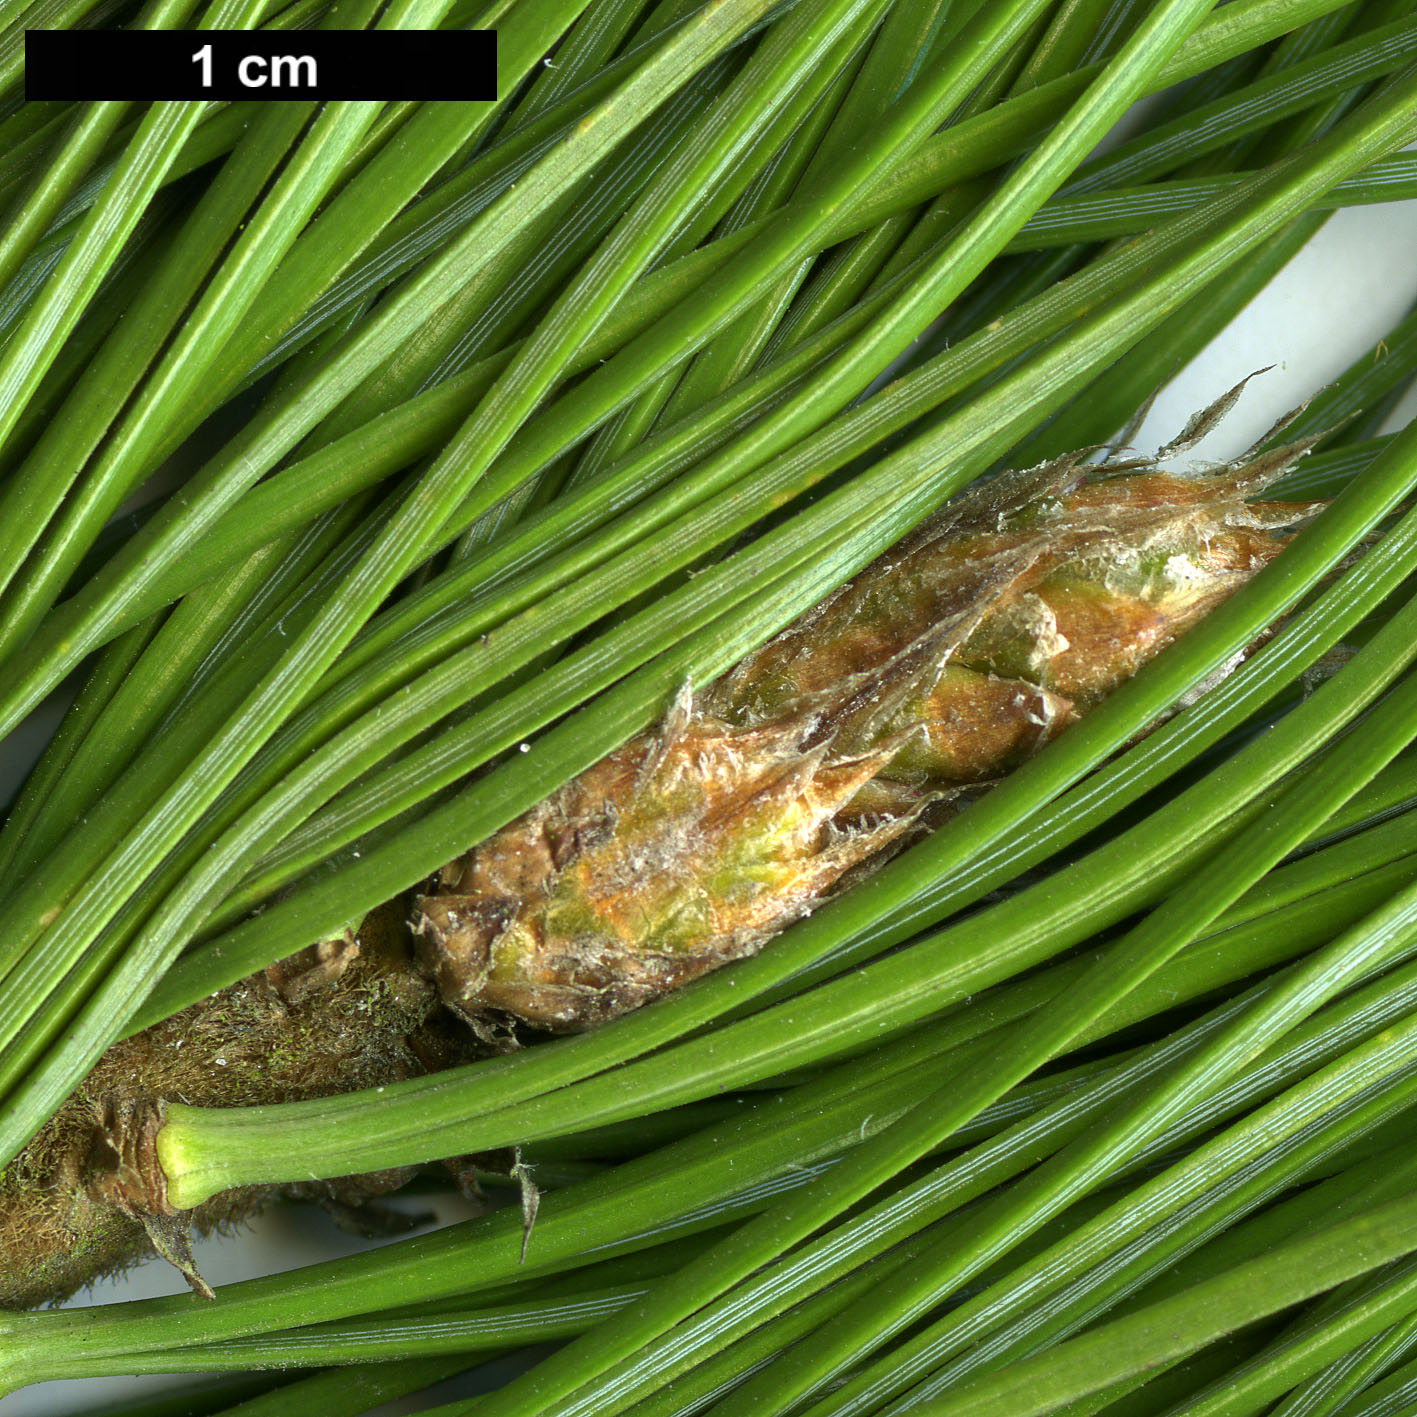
(952, 658)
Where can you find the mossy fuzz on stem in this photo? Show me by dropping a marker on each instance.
(88, 1196)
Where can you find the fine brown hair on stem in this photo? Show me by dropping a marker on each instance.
(86, 1197)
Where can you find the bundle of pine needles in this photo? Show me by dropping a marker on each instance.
(493, 592)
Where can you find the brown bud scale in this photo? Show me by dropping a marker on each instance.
(955, 656)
